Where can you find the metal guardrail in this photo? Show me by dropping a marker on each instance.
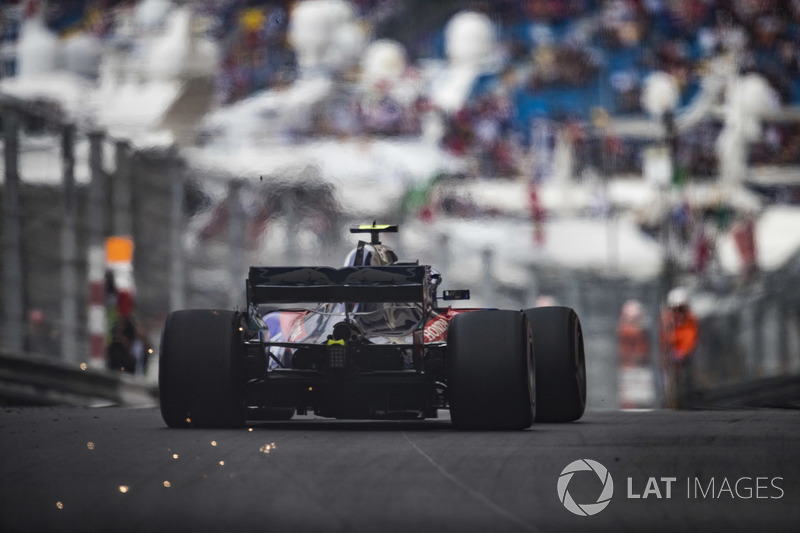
(37, 380)
(780, 391)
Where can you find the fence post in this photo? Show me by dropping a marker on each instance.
(783, 316)
(487, 274)
(748, 320)
(292, 220)
(572, 291)
(123, 268)
(69, 274)
(236, 230)
(444, 254)
(13, 283)
(654, 300)
(96, 222)
(533, 284)
(758, 349)
(121, 191)
(177, 269)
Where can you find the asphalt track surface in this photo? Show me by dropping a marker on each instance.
(65, 469)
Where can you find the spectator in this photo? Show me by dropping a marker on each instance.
(130, 349)
(679, 332)
(40, 338)
(636, 389)
(120, 353)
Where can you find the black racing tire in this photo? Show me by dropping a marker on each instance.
(199, 369)
(490, 371)
(560, 364)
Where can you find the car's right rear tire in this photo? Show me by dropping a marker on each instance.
(490, 371)
(199, 369)
(560, 364)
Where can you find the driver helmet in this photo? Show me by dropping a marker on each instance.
(678, 297)
(385, 318)
(632, 311)
(367, 254)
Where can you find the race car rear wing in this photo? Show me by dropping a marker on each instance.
(331, 285)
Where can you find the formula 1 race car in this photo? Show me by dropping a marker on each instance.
(369, 341)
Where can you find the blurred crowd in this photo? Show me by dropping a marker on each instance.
(566, 61)
(257, 54)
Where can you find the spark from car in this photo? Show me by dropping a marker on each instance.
(267, 448)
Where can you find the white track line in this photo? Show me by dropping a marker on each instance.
(511, 517)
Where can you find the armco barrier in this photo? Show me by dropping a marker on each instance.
(36, 380)
(779, 391)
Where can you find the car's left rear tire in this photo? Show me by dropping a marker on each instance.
(490, 371)
(199, 369)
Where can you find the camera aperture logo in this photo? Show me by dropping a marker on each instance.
(585, 509)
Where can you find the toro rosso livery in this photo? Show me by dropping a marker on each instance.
(369, 341)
